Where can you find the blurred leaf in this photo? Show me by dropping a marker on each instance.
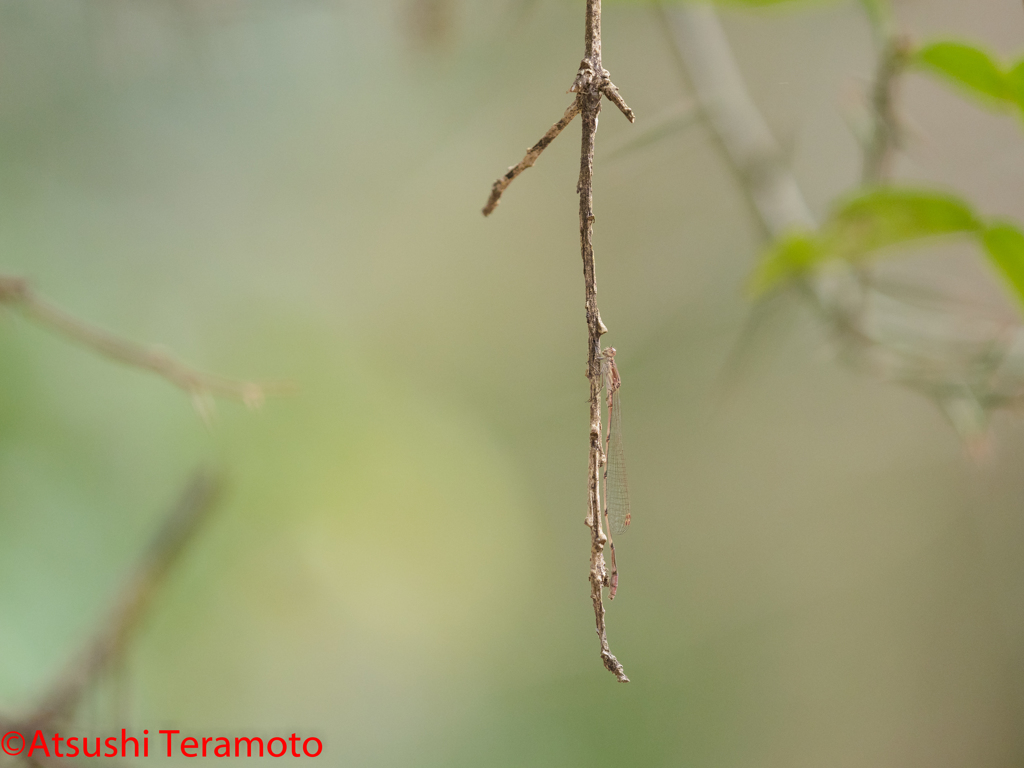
(968, 67)
(872, 220)
(1005, 246)
(884, 217)
(1015, 80)
(789, 256)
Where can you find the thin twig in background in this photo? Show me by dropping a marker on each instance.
(108, 644)
(592, 82)
(886, 136)
(671, 121)
(737, 126)
(200, 386)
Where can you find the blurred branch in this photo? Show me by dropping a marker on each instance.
(737, 126)
(136, 595)
(967, 365)
(661, 126)
(430, 21)
(591, 84)
(200, 386)
(886, 136)
(879, 14)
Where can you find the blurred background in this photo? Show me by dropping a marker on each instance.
(816, 573)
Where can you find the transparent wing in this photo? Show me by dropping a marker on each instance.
(617, 490)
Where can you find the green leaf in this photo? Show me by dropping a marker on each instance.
(787, 257)
(1015, 79)
(871, 221)
(1005, 246)
(884, 217)
(967, 67)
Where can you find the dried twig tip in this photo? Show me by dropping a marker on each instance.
(612, 94)
(612, 665)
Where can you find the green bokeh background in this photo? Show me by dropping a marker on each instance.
(816, 573)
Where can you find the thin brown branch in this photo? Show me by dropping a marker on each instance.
(589, 88)
(531, 157)
(591, 83)
(590, 72)
(199, 385)
(178, 528)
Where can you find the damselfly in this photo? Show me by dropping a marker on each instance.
(616, 491)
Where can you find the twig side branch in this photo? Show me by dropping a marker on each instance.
(531, 157)
(16, 293)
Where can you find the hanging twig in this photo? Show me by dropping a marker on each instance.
(200, 386)
(591, 83)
